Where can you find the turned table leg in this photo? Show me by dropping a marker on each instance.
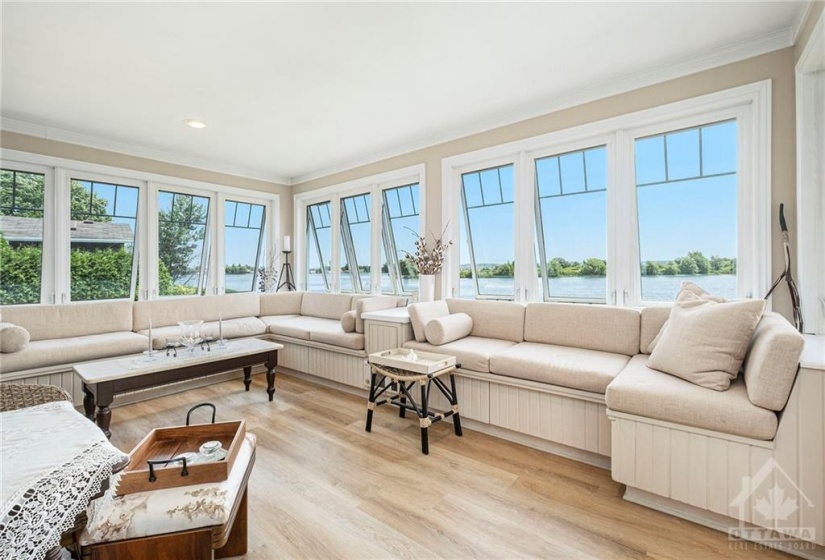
(247, 377)
(88, 403)
(271, 364)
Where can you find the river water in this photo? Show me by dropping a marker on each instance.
(654, 288)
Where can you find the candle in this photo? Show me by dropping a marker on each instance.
(287, 243)
(220, 326)
(150, 335)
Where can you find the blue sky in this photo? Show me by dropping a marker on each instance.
(686, 196)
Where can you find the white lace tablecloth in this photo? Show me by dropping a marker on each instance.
(52, 461)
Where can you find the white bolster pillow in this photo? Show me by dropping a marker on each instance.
(13, 338)
(447, 329)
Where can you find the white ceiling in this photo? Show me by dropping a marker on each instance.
(293, 90)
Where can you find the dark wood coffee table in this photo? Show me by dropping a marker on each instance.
(104, 379)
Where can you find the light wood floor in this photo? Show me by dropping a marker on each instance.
(322, 487)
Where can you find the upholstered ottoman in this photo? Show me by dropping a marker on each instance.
(189, 522)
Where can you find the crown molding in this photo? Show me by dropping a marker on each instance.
(750, 48)
(125, 148)
(799, 20)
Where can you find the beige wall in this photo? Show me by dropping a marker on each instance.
(32, 144)
(777, 66)
(817, 9)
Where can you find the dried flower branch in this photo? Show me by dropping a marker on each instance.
(428, 261)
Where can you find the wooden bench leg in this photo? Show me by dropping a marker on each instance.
(236, 544)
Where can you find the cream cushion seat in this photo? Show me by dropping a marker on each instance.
(232, 328)
(642, 391)
(334, 334)
(71, 350)
(270, 320)
(577, 368)
(472, 352)
(301, 327)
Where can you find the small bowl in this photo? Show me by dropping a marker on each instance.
(210, 447)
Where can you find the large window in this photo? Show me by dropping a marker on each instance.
(356, 232)
(571, 225)
(103, 226)
(487, 245)
(399, 210)
(182, 243)
(319, 247)
(22, 197)
(359, 233)
(686, 193)
(244, 242)
(619, 211)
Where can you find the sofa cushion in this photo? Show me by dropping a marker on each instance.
(423, 313)
(13, 338)
(269, 320)
(704, 341)
(232, 328)
(325, 306)
(72, 350)
(594, 327)
(687, 291)
(772, 361)
(653, 319)
(348, 321)
(365, 305)
(472, 352)
(492, 319)
(577, 368)
(71, 319)
(168, 311)
(642, 391)
(447, 329)
(333, 334)
(301, 327)
(284, 303)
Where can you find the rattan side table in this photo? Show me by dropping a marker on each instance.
(392, 378)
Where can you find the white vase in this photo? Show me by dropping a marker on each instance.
(426, 287)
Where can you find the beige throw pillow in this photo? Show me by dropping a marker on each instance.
(13, 338)
(348, 321)
(705, 341)
(423, 313)
(685, 289)
(447, 329)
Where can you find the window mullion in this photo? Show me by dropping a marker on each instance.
(220, 243)
(622, 224)
(62, 237)
(376, 239)
(335, 253)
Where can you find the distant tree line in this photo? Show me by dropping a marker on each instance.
(240, 269)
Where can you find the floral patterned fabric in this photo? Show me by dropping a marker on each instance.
(53, 461)
(115, 518)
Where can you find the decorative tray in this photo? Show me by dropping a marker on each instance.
(164, 444)
(415, 361)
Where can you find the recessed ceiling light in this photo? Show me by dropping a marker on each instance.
(194, 123)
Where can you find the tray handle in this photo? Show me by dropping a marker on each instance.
(197, 406)
(152, 477)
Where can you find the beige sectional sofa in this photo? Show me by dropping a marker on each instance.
(602, 351)
(63, 335)
(573, 379)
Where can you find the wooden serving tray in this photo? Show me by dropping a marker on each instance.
(427, 362)
(166, 443)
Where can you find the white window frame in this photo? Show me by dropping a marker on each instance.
(373, 184)
(56, 247)
(810, 177)
(220, 217)
(750, 104)
(48, 271)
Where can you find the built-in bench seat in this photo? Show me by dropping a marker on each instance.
(646, 392)
(472, 352)
(66, 334)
